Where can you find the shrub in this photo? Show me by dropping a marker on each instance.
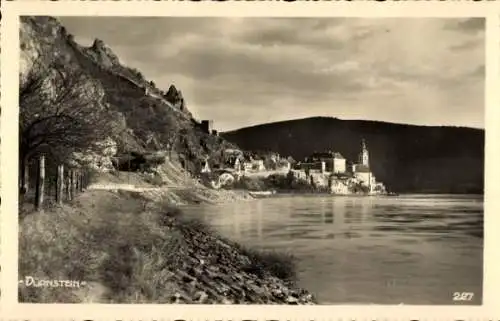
(167, 213)
(194, 224)
(288, 182)
(250, 183)
(154, 179)
(280, 265)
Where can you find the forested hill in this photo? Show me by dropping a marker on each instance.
(408, 158)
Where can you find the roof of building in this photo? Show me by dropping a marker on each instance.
(328, 154)
(360, 168)
(232, 151)
(283, 161)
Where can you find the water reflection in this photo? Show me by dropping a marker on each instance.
(328, 217)
(352, 248)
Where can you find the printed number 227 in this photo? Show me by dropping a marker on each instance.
(462, 296)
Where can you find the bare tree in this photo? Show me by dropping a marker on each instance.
(61, 112)
(170, 131)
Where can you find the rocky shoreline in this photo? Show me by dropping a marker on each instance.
(214, 270)
(217, 271)
(211, 269)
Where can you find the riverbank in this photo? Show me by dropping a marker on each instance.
(130, 247)
(175, 188)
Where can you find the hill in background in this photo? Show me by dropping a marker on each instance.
(406, 158)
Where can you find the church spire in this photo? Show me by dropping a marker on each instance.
(363, 156)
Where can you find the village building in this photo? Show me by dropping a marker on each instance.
(361, 170)
(339, 164)
(275, 157)
(363, 159)
(332, 162)
(342, 177)
(231, 158)
(247, 166)
(363, 173)
(258, 165)
(205, 167)
(253, 165)
(284, 165)
(236, 160)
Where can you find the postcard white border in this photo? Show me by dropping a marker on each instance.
(10, 308)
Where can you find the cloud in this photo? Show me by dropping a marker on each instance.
(241, 71)
(478, 72)
(467, 44)
(469, 25)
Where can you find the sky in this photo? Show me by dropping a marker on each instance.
(245, 71)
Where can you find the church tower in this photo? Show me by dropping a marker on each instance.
(363, 156)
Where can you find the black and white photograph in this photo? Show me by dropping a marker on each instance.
(251, 160)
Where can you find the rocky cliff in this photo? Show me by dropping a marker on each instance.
(143, 113)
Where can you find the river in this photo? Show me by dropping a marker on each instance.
(411, 249)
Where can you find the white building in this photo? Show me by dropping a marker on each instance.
(205, 167)
(247, 166)
(363, 174)
(339, 163)
(323, 167)
(237, 165)
(258, 165)
(284, 165)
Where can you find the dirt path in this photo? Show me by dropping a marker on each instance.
(132, 188)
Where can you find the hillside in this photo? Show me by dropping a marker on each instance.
(145, 118)
(407, 158)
